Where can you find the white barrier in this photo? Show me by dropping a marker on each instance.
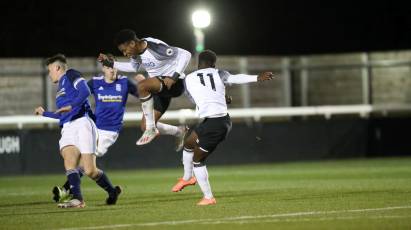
(254, 113)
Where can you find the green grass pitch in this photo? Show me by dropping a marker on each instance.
(346, 194)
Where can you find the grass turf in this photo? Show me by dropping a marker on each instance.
(349, 194)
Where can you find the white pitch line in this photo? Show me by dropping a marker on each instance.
(301, 219)
(241, 218)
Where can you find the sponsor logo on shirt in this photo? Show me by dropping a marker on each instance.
(110, 98)
(149, 64)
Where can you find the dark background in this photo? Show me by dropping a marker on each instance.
(84, 28)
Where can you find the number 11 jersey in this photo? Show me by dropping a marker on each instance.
(207, 88)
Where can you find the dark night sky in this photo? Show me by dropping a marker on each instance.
(84, 28)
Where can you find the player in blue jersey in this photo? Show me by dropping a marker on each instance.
(79, 133)
(110, 93)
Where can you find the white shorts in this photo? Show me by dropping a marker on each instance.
(81, 133)
(105, 140)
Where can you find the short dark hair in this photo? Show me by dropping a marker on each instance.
(207, 57)
(124, 36)
(58, 57)
(111, 57)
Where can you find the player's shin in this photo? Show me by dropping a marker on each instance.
(201, 173)
(188, 163)
(166, 129)
(74, 181)
(66, 185)
(104, 182)
(147, 105)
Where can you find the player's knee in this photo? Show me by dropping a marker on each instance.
(91, 172)
(198, 163)
(143, 86)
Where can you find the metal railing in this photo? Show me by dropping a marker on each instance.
(256, 114)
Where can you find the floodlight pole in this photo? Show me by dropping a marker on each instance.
(199, 40)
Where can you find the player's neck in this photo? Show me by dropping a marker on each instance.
(61, 75)
(108, 80)
(142, 46)
(203, 67)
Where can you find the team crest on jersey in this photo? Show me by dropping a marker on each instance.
(101, 88)
(118, 87)
(169, 51)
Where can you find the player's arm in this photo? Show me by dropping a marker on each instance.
(81, 86)
(121, 66)
(244, 78)
(41, 112)
(183, 58)
(126, 66)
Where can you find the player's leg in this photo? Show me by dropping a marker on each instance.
(187, 160)
(64, 193)
(71, 156)
(210, 133)
(105, 140)
(88, 146)
(161, 104)
(201, 174)
(146, 89)
(100, 177)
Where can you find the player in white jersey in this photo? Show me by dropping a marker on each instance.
(165, 65)
(206, 86)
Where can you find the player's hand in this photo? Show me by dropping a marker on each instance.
(139, 77)
(265, 76)
(168, 81)
(64, 109)
(39, 111)
(101, 57)
(228, 99)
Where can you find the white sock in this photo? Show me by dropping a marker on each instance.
(188, 164)
(166, 129)
(201, 174)
(148, 111)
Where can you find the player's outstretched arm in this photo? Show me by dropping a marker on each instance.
(41, 112)
(121, 66)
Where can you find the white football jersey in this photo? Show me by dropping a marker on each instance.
(159, 59)
(207, 89)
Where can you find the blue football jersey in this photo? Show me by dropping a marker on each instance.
(67, 93)
(111, 99)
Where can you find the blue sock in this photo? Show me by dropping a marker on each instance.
(74, 181)
(103, 181)
(66, 185)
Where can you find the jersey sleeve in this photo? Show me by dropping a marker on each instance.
(224, 75)
(51, 115)
(74, 77)
(132, 88)
(132, 66)
(160, 50)
(163, 52)
(90, 85)
(229, 79)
